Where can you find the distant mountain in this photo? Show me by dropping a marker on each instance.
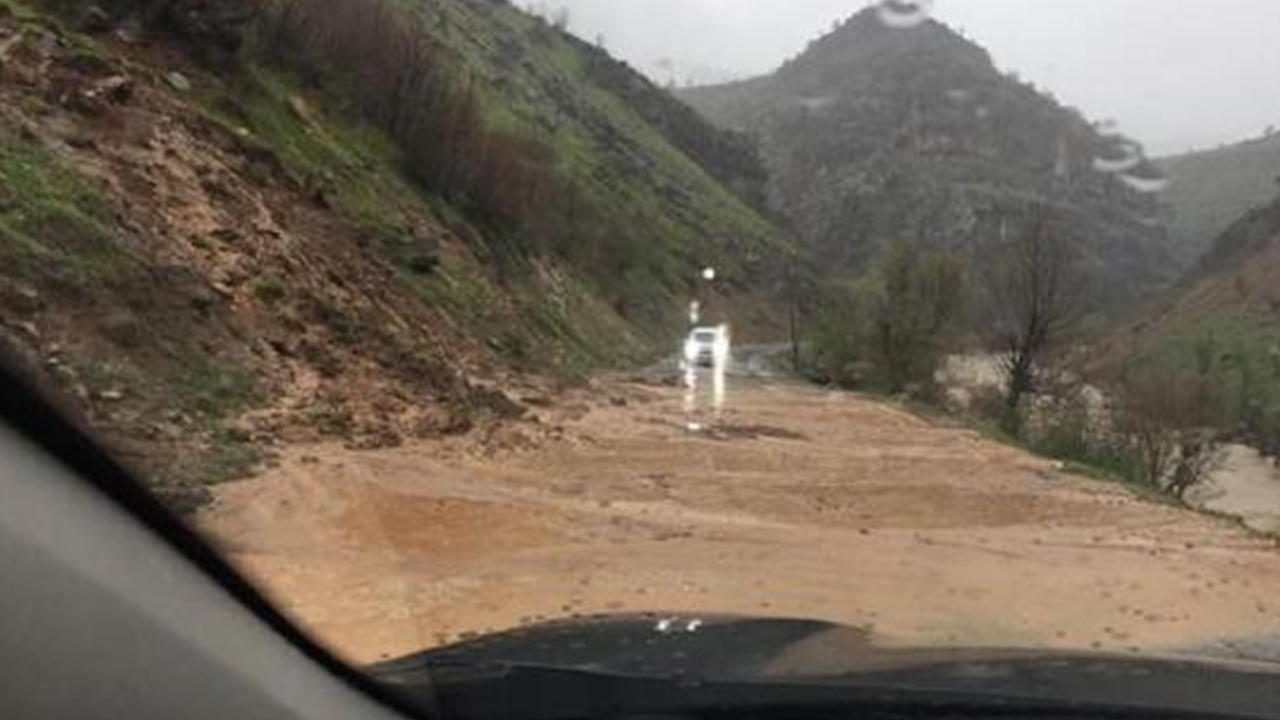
(876, 132)
(1211, 189)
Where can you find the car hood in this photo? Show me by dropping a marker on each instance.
(692, 650)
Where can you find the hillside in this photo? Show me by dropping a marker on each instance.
(1222, 324)
(1238, 279)
(1211, 189)
(877, 132)
(222, 232)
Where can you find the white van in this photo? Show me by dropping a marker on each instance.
(707, 346)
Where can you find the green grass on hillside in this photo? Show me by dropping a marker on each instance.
(358, 171)
(1241, 358)
(53, 225)
(681, 217)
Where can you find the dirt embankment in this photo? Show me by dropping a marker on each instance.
(171, 272)
(798, 503)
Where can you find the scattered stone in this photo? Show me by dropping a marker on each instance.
(225, 234)
(22, 301)
(124, 330)
(30, 330)
(457, 422)
(202, 300)
(300, 108)
(82, 142)
(111, 395)
(240, 434)
(178, 81)
(116, 90)
(377, 438)
(95, 20)
(86, 66)
(319, 197)
(541, 401)
(130, 34)
(424, 263)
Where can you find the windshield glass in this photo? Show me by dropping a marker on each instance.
(421, 312)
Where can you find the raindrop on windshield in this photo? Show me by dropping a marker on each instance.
(1107, 128)
(904, 13)
(1145, 184)
(815, 104)
(1126, 156)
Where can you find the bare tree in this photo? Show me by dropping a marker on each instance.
(1034, 294)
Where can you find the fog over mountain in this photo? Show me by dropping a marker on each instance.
(1176, 74)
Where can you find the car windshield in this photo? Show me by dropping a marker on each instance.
(421, 311)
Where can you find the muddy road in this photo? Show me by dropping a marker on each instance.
(790, 502)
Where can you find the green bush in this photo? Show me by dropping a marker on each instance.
(1235, 364)
(892, 328)
(1155, 432)
(833, 338)
(911, 303)
(1070, 430)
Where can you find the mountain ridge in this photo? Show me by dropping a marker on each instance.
(875, 132)
(1210, 189)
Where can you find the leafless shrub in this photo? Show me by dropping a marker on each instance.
(407, 85)
(1166, 420)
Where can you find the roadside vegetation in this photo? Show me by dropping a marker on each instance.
(891, 329)
(1159, 425)
(1236, 362)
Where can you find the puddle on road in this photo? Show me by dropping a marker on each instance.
(705, 394)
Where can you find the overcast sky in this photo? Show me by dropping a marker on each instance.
(1174, 73)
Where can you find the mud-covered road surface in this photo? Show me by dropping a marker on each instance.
(796, 502)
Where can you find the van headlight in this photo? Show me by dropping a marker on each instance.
(690, 350)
